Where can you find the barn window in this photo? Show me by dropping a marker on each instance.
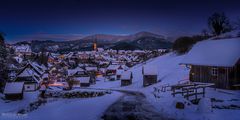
(214, 71)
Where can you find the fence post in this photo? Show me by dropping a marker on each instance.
(203, 91)
(173, 91)
(196, 93)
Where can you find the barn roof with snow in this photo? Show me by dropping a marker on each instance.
(224, 53)
(83, 79)
(13, 88)
(150, 70)
(126, 75)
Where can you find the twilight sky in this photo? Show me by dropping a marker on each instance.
(71, 19)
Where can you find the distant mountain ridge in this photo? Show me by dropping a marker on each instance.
(140, 40)
(116, 38)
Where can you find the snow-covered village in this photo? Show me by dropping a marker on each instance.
(146, 75)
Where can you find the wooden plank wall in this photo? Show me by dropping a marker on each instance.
(204, 74)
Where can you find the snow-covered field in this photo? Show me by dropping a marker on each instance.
(168, 68)
(75, 109)
(169, 72)
(59, 108)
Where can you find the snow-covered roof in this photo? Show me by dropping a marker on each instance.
(27, 73)
(74, 71)
(37, 67)
(12, 66)
(126, 75)
(42, 87)
(18, 59)
(23, 48)
(225, 52)
(70, 54)
(71, 72)
(45, 75)
(150, 70)
(119, 72)
(138, 51)
(113, 67)
(91, 68)
(83, 79)
(103, 62)
(13, 87)
(100, 49)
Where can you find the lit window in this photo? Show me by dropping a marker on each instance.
(214, 71)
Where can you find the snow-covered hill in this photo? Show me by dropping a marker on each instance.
(168, 68)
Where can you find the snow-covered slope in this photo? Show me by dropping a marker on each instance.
(168, 69)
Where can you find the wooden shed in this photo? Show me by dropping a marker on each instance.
(83, 81)
(215, 61)
(126, 78)
(149, 75)
(14, 90)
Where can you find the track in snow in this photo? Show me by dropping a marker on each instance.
(132, 106)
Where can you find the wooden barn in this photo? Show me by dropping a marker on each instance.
(14, 90)
(215, 61)
(149, 75)
(83, 81)
(126, 78)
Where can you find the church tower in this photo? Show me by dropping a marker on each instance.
(95, 45)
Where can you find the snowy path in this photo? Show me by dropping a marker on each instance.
(132, 106)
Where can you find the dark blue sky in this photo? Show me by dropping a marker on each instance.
(31, 19)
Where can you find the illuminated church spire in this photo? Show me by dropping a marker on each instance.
(95, 45)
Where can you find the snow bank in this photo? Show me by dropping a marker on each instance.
(205, 105)
(61, 109)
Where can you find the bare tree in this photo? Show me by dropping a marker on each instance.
(3, 55)
(205, 32)
(237, 24)
(219, 23)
